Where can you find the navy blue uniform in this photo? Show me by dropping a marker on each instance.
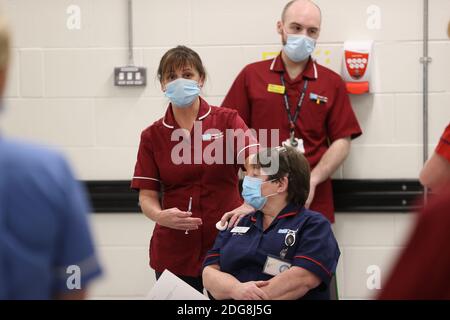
(244, 255)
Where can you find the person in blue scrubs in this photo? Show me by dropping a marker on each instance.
(46, 249)
(282, 250)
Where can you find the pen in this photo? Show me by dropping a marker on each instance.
(189, 210)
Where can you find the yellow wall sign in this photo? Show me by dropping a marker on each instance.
(269, 54)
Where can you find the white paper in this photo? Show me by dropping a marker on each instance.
(170, 287)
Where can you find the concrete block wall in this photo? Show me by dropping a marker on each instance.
(60, 93)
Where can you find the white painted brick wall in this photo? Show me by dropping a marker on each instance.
(60, 93)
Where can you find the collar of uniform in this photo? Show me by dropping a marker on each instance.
(257, 219)
(203, 112)
(310, 71)
(289, 211)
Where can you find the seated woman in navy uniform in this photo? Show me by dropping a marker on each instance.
(282, 250)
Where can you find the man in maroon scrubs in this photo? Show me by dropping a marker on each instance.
(305, 101)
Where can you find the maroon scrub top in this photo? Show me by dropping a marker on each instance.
(213, 187)
(325, 115)
(422, 270)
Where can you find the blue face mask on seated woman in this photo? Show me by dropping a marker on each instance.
(182, 92)
(251, 192)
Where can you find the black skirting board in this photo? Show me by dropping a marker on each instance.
(356, 196)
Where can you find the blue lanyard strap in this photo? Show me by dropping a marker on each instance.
(293, 119)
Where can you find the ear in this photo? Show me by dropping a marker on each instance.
(280, 28)
(284, 183)
(448, 30)
(201, 82)
(3, 78)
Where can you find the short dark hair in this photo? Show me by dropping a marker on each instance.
(178, 58)
(291, 164)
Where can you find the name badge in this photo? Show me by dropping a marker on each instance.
(318, 99)
(275, 266)
(275, 88)
(212, 136)
(240, 230)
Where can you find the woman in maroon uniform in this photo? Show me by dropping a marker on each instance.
(184, 186)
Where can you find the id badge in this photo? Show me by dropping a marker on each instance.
(240, 230)
(275, 266)
(299, 147)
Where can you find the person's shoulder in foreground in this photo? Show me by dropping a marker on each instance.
(28, 156)
(422, 269)
(45, 237)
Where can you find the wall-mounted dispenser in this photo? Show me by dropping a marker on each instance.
(358, 59)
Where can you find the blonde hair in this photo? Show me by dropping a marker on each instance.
(4, 43)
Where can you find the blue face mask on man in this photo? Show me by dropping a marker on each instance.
(182, 92)
(299, 47)
(251, 192)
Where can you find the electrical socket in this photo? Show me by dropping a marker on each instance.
(130, 76)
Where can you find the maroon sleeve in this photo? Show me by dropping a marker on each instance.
(237, 97)
(342, 121)
(422, 272)
(443, 147)
(146, 173)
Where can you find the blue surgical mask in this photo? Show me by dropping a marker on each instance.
(251, 192)
(182, 92)
(299, 47)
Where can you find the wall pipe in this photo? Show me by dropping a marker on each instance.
(130, 33)
(425, 60)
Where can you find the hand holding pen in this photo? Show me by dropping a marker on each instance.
(174, 218)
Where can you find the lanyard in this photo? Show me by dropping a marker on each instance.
(293, 119)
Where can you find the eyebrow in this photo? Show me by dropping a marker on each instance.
(294, 24)
(173, 71)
